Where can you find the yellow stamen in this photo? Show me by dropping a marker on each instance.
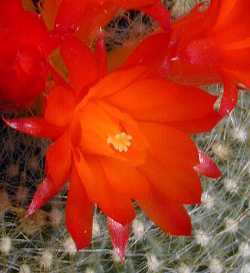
(120, 142)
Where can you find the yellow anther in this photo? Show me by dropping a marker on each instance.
(120, 142)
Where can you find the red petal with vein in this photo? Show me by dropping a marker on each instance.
(162, 101)
(119, 236)
(207, 166)
(79, 214)
(229, 98)
(170, 217)
(81, 64)
(160, 13)
(34, 126)
(45, 191)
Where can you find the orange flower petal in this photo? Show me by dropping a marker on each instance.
(60, 106)
(173, 181)
(166, 144)
(170, 217)
(169, 167)
(58, 159)
(79, 214)
(99, 122)
(205, 124)
(116, 81)
(81, 64)
(137, 152)
(113, 204)
(96, 126)
(163, 101)
(125, 179)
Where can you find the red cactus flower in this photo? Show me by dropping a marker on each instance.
(117, 138)
(24, 46)
(208, 45)
(215, 45)
(212, 45)
(86, 17)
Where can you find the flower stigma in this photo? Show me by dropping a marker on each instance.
(120, 142)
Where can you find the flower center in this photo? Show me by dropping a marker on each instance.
(120, 142)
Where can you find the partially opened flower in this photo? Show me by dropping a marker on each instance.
(119, 138)
(208, 45)
(87, 17)
(24, 46)
(211, 46)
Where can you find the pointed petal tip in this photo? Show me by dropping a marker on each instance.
(34, 126)
(10, 122)
(121, 255)
(195, 199)
(31, 210)
(186, 233)
(198, 201)
(189, 232)
(229, 98)
(81, 245)
(80, 241)
(195, 195)
(119, 236)
(207, 166)
(79, 213)
(186, 230)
